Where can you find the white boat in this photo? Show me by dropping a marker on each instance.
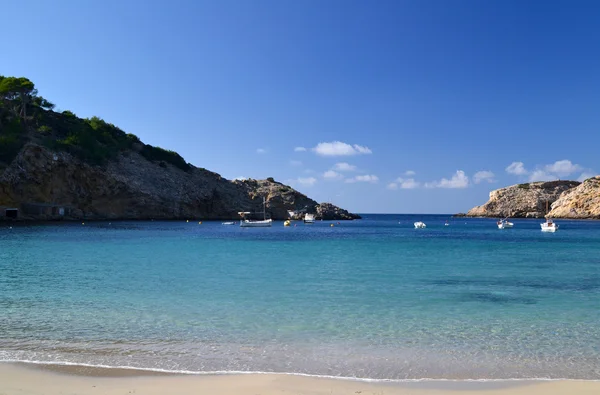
(420, 225)
(251, 223)
(549, 226)
(227, 223)
(504, 223)
(309, 218)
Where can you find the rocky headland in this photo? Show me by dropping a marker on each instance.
(58, 166)
(557, 199)
(582, 202)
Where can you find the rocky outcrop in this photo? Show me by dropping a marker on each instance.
(41, 181)
(583, 201)
(522, 200)
(328, 211)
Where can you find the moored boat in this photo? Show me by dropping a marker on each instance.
(309, 218)
(251, 223)
(549, 226)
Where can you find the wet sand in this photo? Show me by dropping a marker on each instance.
(25, 379)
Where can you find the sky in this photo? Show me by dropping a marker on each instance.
(396, 106)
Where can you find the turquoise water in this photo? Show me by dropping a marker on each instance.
(373, 298)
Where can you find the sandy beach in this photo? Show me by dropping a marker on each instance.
(21, 379)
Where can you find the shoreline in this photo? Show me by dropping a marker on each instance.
(34, 379)
(97, 370)
(22, 221)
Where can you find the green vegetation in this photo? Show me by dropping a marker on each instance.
(523, 186)
(26, 116)
(162, 155)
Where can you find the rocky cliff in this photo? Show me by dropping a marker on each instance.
(51, 184)
(583, 201)
(57, 165)
(522, 200)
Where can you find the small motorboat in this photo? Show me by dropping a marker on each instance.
(549, 226)
(504, 223)
(309, 218)
(420, 225)
(227, 223)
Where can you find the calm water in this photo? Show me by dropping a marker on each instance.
(373, 298)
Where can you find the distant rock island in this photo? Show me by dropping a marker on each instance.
(59, 166)
(565, 199)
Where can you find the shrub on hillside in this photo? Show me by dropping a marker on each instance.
(157, 154)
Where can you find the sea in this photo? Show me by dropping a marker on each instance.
(372, 299)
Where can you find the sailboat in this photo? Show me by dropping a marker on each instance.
(549, 225)
(309, 218)
(251, 223)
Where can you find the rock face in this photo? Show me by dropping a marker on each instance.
(328, 211)
(522, 200)
(582, 201)
(46, 184)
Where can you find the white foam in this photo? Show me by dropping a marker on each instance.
(243, 372)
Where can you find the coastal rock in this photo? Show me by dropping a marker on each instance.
(582, 201)
(49, 184)
(328, 211)
(522, 200)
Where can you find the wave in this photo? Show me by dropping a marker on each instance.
(244, 372)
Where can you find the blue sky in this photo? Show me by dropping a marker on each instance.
(401, 106)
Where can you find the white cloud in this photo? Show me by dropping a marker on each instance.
(559, 169)
(458, 180)
(299, 149)
(409, 173)
(484, 175)
(261, 151)
(343, 166)
(338, 148)
(409, 183)
(404, 183)
(362, 149)
(332, 175)
(516, 168)
(585, 175)
(303, 181)
(562, 168)
(541, 175)
(296, 163)
(366, 178)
